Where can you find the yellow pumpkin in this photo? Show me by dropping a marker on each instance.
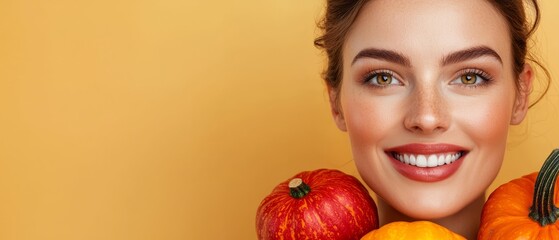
(412, 230)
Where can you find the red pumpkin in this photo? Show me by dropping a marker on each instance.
(524, 208)
(320, 204)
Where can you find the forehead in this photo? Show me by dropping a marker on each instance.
(425, 29)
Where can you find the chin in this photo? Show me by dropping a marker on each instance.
(434, 205)
(429, 212)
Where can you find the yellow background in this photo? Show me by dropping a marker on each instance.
(172, 119)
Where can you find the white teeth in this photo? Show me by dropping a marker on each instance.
(447, 159)
(421, 161)
(440, 160)
(432, 160)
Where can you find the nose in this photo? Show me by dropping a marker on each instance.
(427, 112)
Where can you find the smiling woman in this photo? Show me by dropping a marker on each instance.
(426, 92)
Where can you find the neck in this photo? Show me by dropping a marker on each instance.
(465, 222)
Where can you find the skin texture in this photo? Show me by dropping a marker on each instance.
(426, 102)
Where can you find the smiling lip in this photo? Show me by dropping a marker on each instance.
(431, 162)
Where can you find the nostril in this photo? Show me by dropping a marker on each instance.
(427, 122)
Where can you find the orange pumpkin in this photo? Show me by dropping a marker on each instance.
(423, 230)
(524, 208)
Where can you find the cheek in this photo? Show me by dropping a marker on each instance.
(369, 122)
(486, 122)
(372, 124)
(368, 119)
(485, 126)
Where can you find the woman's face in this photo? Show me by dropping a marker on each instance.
(427, 95)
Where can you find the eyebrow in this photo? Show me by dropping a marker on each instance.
(470, 53)
(455, 57)
(382, 54)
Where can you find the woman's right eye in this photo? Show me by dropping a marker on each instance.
(382, 79)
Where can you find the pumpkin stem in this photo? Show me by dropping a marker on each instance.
(298, 188)
(543, 209)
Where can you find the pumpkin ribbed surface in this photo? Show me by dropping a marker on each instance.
(524, 208)
(420, 230)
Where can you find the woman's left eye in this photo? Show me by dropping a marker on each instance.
(471, 78)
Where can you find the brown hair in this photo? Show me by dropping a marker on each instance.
(340, 15)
